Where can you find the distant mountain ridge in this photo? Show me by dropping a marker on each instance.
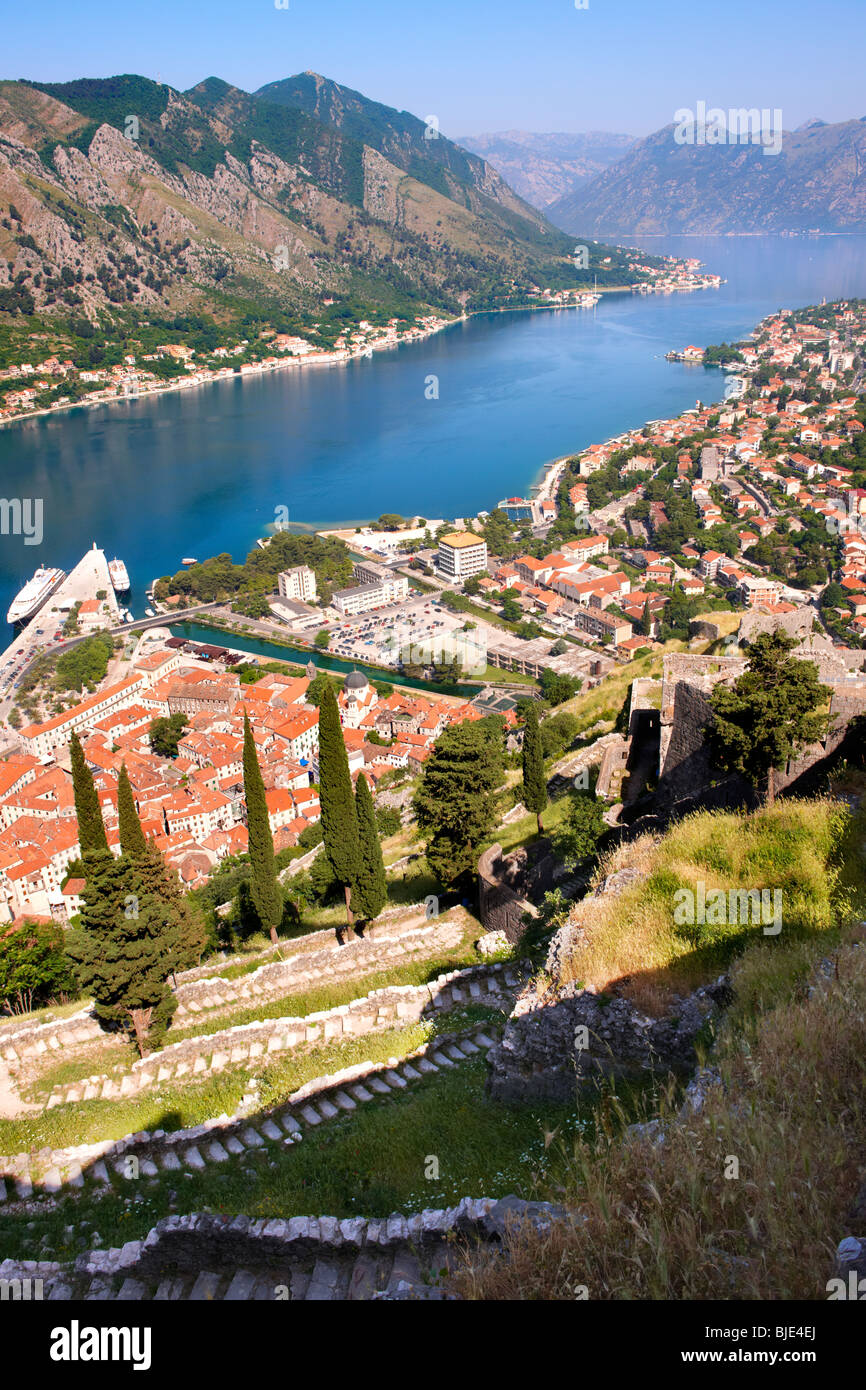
(816, 182)
(543, 168)
(125, 192)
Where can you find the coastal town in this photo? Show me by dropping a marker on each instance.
(55, 383)
(747, 506)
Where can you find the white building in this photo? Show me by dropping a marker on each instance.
(461, 554)
(378, 587)
(298, 583)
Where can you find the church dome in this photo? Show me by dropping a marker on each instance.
(356, 680)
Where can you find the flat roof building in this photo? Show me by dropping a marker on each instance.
(461, 554)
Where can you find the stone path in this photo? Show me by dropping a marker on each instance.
(206, 1258)
(146, 1154)
(381, 1009)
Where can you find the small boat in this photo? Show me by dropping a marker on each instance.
(188, 560)
(119, 577)
(149, 613)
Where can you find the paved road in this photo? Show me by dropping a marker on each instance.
(160, 620)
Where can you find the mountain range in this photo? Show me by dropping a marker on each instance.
(542, 168)
(816, 182)
(125, 196)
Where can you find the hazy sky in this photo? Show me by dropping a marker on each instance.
(478, 65)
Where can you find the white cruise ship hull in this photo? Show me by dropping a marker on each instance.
(36, 592)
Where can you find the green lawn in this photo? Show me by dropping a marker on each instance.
(371, 1162)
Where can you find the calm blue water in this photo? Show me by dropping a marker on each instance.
(202, 471)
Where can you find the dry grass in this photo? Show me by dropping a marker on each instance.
(635, 948)
(668, 1221)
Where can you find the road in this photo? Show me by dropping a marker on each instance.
(8, 697)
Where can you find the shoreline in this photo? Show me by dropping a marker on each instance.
(340, 359)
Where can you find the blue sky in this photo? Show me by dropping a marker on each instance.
(478, 65)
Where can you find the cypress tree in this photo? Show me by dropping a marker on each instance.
(120, 953)
(339, 818)
(534, 779)
(369, 889)
(183, 930)
(91, 831)
(132, 839)
(646, 622)
(263, 882)
(455, 804)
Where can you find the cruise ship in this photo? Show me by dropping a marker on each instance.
(35, 592)
(119, 576)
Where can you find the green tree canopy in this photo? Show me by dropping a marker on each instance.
(91, 830)
(369, 890)
(339, 817)
(534, 776)
(768, 714)
(165, 733)
(455, 803)
(263, 880)
(132, 840)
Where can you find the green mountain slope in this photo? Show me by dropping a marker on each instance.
(305, 205)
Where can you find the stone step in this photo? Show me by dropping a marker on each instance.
(290, 1124)
(394, 1078)
(193, 1159)
(270, 1130)
(361, 1093)
(410, 1073)
(377, 1084)
(132, 1289)
(216, 1152)
(311, 1116)
(205, 1288)
(327, 1110)
(242, 1286)
(441, 1060)
(426, 1066)
(484, 1041)
(170, 1291)
(251, 1139)
(344, 1101)
(169, 1161)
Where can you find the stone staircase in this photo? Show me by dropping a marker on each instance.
(218, 1141)
(202, 1257)
(246, 1043)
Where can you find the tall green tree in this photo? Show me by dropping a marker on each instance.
(369, 889)
(263, 882)
(120, 952)
(183, 929)
(534, 777)
(339, 817)
(91, 830)
(577, 837)
(769, 713)
(132, 838)
(455, 804)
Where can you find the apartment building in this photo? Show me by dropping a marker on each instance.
(298, 583)
(461, 554)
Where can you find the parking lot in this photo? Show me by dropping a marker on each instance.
(406, 631)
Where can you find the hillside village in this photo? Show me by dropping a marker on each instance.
(753, 506)
(504, 836)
